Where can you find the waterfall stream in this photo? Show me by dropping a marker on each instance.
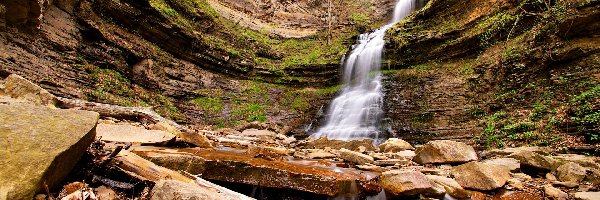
(357, 111)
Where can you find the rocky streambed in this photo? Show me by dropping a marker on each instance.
(49, 152)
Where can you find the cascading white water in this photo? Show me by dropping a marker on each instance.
(357, 111)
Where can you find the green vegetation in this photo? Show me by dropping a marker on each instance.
(361, 21)
(584, 113)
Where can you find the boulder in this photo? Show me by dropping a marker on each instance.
(355, 157)
(40, 146)
(449, 186)
(593, 176)
(132, 134)
(323, 143)
(18, 87)
(272, 152)
(394, 145)
(570, 171)
(510, 163)
(399, 183)
(584, 161)
(406, 154)
(445, 152)
(105, 193)
(173, 189)
(481, 176)
(391, 162)
(197, 139)
(259, 133)
(508, 151)
(587, 195)
(535, 160)
(320, 154)
(555, 193)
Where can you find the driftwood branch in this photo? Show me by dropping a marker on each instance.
(108, 110)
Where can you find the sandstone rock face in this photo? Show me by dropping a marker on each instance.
(587, 195)
(510, 163)
(445, 151)
(535, 160)
(355, 157)
(172, 189)
(570, 171)
(405, 183)
(394, 145)
(132, 134)
(481, 176)
(18, 87)
(40, 145)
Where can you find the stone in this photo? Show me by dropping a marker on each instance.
(127, 133)
(173, 189)
(259, 133)
(570, 171)
(517, 195)
(535, 160)
(508, 151)
(587, 195)
(515, 183)
(319, 177)
(320, 154)
(551, 177)
(393, 145)
(105, 193)
(480, 176)
(593, 176)
(568, 184)
(408, 154)
(322, 143)
(510, 163)
(355, 157)
(399, 183)
(40, 145)
(18, 87)
(449, 186)
(555, 193)
(379, 156)
(584, 161)
(392, 162)
(273, 152)
(197, 139)
(445, 152)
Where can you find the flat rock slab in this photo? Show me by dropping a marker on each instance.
(132, 134)
(40, 145)
(233, 166)
(353, 145)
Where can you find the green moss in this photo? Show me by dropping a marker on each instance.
(209, 104)
(329, 90)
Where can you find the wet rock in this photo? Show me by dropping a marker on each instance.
(448, 185)
(587, 195)
(570, 171)
(355, 157)
(517, 195)
(353, 145)
(105, 193)
(132, 134)
(444, 152)
(510, 163)
(18, 87)
(40, 146)
(172, 189)
(481, 176)
(399, 183)
(239, 167)
(394, 145)
(194, 138)
(555, 193)
(273, 152)
(535, 160)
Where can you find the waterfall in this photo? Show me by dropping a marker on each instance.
(356, 113)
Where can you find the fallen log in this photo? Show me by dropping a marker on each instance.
(141, 168)
(115, 111)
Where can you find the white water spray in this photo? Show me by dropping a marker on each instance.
(357, 111)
